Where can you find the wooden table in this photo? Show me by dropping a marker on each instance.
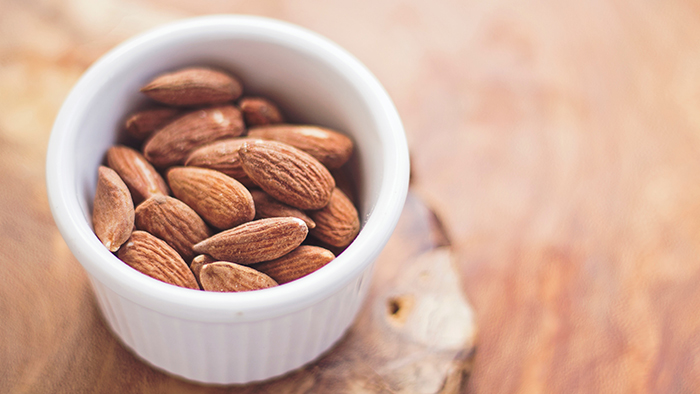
(557, 142)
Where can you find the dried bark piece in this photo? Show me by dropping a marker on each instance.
(296, 264)
(220, 200)
(155, 258)
(328, 146)
(173, 143)
(338, 223)
(256, 241)
(113, 209)
(193, 86)
(287, 173)
(174, 222)
(224, 276)
(137, 173)
(259, 111)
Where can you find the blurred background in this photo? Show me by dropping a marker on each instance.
(558, 142)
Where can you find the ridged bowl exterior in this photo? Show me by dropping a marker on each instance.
(235, 352)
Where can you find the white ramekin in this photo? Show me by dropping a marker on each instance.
(230, 337)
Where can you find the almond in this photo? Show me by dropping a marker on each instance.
(330, 147)
(173, 143)
(139, 175)
(287, 174)
(113, 209)
(221, 156)
(193, 86)
(258, 111)
(344, 181)
(155, 258)
(174, 222)
(223, 276)
(256, 241)
(268, 207)
(338, 223)
(198, 262)
(298, 263)
(220, 200)
(141, 124)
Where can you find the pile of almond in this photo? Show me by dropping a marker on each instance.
(217, 193)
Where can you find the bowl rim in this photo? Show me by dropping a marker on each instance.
(226, 307)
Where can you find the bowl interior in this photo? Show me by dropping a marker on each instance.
(314, 82)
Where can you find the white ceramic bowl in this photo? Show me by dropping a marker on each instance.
(230, 337)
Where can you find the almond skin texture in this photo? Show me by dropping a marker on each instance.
(222, 156)
(139, 175)
(259, 111)
(330, 147)
(338, 223)
(223, 276)
(288, 174)
(113, 209)
(193, 86)
(298, 263)
(197, 263)
(345, 182)
(256, 241)
(220, 200)
(174, 222)
(154, 257)
(143, 123)
(173, 143)
(268, 207)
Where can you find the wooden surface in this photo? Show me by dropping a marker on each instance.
(558, 141)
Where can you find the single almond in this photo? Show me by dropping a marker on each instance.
(155, 258)
(256, 241)
(268, 207)
(174, 222)
(173, 143)
(338, 223)
(221, 156)
(198, 262)
(296, 264)
(330, 147)
(344, 180)
(336, 250)
(220, 200)
(139, 175)
(287, 174)
(143, 123)
(193, 86)
(223, 276)
(258, 111)
(113, 209)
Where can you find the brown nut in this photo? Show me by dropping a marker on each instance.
(220, 200)
(338, 223)
(193, 86)
(113, 209)
(296, 264)
(328, 146)
(256, 241)
(287, 174)
(174, 222)
(173, 143)
(155, 258)
(224, 276)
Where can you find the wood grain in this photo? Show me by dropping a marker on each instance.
(558, 141)
(53, 338)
